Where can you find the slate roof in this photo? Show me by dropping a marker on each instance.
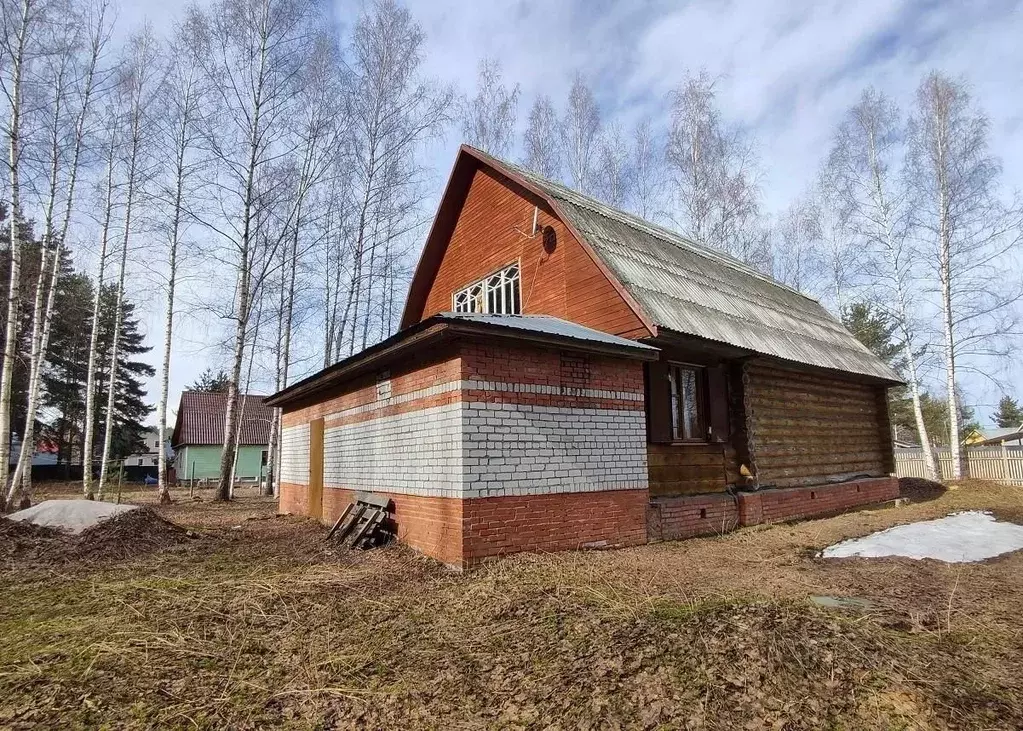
(547, 325)
(692, 289)
(200, 419)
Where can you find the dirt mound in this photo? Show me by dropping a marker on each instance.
(129, 535)
(919, 490)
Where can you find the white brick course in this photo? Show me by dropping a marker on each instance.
(416, 453)
(295, 454)
(515, 449)
(468, 450)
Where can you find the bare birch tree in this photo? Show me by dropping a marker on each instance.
(249, 53)
(76, 43)
(181, 98)
(22, 22)
(966, 230)
(861, 168)
(394, 111)
(580, 131)
(488, 118)
(797, 260)
(542, 150)
(614, 180)
(713, 176)
(647, 162)
(140, 77)
(110, 187)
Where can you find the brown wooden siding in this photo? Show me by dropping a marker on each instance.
(809, 427)
(493, 230)
(690, 469)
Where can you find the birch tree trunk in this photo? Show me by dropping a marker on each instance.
(139, 72)
(14, 92)
(41, 333)
(89, 431)
(185, 102)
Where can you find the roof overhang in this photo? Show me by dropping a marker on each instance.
(439, 330)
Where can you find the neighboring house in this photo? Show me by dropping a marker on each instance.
(45, 454)
(1010, 436)
(198, 436)
(150, 457)
(568, 375)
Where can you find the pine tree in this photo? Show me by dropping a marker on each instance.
(65, 376)
(1009, 413)
(876, 329)
(210, 381)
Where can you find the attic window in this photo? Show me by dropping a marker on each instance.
(497, 294)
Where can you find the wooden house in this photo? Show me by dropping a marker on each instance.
(198, 436)
(570, 375)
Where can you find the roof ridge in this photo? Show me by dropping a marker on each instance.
(631, 219)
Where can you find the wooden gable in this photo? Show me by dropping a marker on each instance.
(486, 222)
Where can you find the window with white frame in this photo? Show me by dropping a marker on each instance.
(497, 294)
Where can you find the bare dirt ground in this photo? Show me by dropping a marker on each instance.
(257, 622)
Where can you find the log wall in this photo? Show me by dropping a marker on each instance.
(690, 469)
(811, 427)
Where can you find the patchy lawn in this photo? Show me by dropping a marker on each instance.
(259, 623)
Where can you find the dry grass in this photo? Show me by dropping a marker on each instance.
(259, 623)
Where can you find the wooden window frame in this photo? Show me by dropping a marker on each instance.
(676, 403)
(506, 288)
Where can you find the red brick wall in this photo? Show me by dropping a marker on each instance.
(494, 526)
(440, 365)
(432, 525)
(531, 365)
(671, 518)
(492, 231)
(464, 532)
(774, 506)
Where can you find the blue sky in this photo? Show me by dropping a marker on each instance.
(788, 70)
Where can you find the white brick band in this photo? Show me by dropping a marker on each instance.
(295, 454)
(467, 450)
(515, 449)
(474, 385)
(416, 453)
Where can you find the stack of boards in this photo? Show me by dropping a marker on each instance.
(364, 521)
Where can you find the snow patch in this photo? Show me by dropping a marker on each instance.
(73, 516)
(957, 538)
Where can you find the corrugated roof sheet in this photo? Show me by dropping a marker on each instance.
(695, 290)
(548, 325)
(200, 419)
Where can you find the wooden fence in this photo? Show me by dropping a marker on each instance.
(1000, 464)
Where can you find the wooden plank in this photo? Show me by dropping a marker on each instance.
(341, 518)
(316, 469)
(353, 521)
(365, 531)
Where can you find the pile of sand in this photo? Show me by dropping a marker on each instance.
(70, 516)
(76, 530)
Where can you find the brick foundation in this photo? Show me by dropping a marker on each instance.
(431, 525)
(461, 533)
(672, 518)
(561, 522)
(776, 506)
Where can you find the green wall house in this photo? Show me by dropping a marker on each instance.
(198, 436)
